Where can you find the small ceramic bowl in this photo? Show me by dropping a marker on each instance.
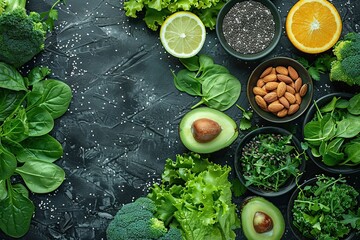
(274, 62)
(309, 116)
(291, 181)
(248, 56)
(290, 218)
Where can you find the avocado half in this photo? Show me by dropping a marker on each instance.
(255, 205)
(228, 134)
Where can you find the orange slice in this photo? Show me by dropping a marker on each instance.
(313, 26)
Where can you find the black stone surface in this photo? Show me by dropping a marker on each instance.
(123, 120)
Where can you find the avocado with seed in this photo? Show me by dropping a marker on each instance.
(206, 130)
(261, 219)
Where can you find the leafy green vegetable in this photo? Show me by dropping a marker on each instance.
(195, 195)
(268, 161)
(326, 209)
(28, 109)
(322, 64)
(333, 133)
(245, 121)
(212, 82)
(157, 11)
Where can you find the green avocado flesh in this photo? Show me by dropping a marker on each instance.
(228, 134)
(259, 204)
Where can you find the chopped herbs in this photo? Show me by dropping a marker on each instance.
(249, 27)
(327, 209)
(269, 160)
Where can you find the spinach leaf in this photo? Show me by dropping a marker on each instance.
(41, 177)
(37, 74)
(347, 128)
(9, 101)
(52, 95)
(185, 81)
(10, 78)
(16, 128)
(3, 190)
(354, 105)
(40, 121)
(330, 106)
(191, 64)
(16, 212)
(352, 150)
(7, 164)
(42, 148)
(313, 133)
(21, 189)
(212, 70)
(204, 61)
(342, 104)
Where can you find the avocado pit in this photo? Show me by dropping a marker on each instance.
(262, 222)
(205, 130)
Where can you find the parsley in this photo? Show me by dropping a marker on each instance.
(245, 121)
(49, 17)
(321, 65)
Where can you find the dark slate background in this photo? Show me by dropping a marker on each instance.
(123, 120)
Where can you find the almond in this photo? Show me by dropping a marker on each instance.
(270, 78)
(275, 107)
(271, 86)
(282, 70)
(259, 91)
(266, 72)
(290, 97)
(303, 90)
(281, 89)
(298, 98)
(273, 71)
(284, 78)
(261, 102)
(290, 89)
(282, 113)
(293, 108)
(260, 83)
(284, 102)
(298, 84)
(293, 73)
(270, 97)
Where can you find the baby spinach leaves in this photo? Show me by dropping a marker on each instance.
(212, 82)
(333, 134)
(28, 107)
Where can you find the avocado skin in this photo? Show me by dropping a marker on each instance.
(229, 130)
(252, 205)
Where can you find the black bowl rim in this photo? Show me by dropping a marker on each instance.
(293, 180)
(277, 35)
(293, 229)
(309, 115)
(260, 112)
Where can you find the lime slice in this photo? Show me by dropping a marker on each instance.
(183, 34)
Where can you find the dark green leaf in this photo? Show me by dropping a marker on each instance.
(3, 190)
(7, 163)
(354, 105)
(352, 219)
(245, 124)
(329, 107)
(348, 128)
(238, 188)
(352, 150)
(191, 64)
(303, 62)
(21, 189)
(37, 74)
(185, 81)
(211, 70)
(314, 73)
(10, 78)
(16, 128)
(40, 122)
(53, 14)
(205, 62)
(9, 101)
(342, 103)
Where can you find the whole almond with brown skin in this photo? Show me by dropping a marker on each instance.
(290, 97)
(270, 97)
(284, 102)
(293, 108)
(293, 73)
(282, 113)
(298, 84)
(261, 102)
(267, 71)
(204, 130)
(271, 86)
(260, 83)
(281, 89)
(273, 71)
(298, 98)
(270, 78)
(282, 70)
(275, 107)
(303, 90)
(290, 89)
(284, 78)
(259, 91)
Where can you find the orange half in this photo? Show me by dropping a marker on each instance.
(313, 26)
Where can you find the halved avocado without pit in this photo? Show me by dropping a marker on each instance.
(206, 130)
(261, 219)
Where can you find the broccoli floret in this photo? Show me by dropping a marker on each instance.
(347, 66)
(22, 35)
(172, 234)
(136, 221)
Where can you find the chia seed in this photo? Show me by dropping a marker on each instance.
(249, 27)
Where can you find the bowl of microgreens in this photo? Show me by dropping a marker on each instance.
(269, 161)
(332, 133)
(249, 29)
(324, 208)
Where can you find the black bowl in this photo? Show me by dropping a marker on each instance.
(289, 214)
(309, 116)
(290, 183)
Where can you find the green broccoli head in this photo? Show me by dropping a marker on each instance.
(136, 221)
(172, 234)
(22, 36)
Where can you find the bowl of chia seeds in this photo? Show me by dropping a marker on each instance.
(249, 29)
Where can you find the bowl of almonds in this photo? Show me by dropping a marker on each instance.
(280, 89)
